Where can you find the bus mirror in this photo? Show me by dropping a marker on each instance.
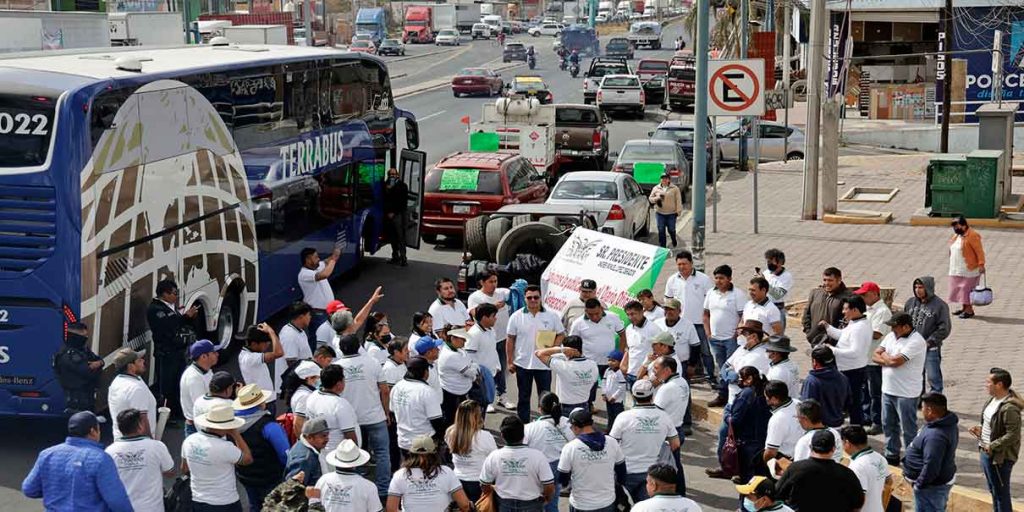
(412, 134)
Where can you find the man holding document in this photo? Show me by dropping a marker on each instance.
(534, 327)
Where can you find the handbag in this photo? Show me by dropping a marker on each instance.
(981, 295)
(730, 454)
(179, 497)
(486, 502)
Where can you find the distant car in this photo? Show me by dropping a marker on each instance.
(773, 142)
(601, 18)
(363, 46)
(619, 47)
(506, 27)
(653, 74)
(477, 81)
(447, 37)
(599, 67)
(682, 133)
(391, 47)
(621, 93)
(547, 29)
(616, 201)
(514, 51)
(480, 31)
(464, 185)
(647, 151)
(532, 86)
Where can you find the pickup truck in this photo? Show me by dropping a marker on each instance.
(619, 47)
(682, 87)
(621, 93)
(645, 33)
(581, 134)
(599, 67)
(652, 73)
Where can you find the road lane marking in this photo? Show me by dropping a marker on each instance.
(428, 116)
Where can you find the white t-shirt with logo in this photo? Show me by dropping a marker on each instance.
(756, 357)
(457, 371)
(786, 371)
(298, 402)
(393, 371)
(784, 429)
(673, 397)
(904, 381)
(421, 495)
(211, 464)
(614, 385)
(803, 446)
(638, 344)
(517, 473)
(779, 286)
(500, 295)
(725, 310)
(363, 378)
(451, 314)
(485, 342)
(467, 467)
(141, 462)
(592, 472)
(130, 392)
(374, 351)
(348, 492)
(256, 371)
(525, 326)
(642, 432)
(339, 413)
(669, 503)
(684, 333)
(872, 470)
(315, 293)
(414, 404)
(574, 378)
(598, 338)
(544, 436)
(194, 383)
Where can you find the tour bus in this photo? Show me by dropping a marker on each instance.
(210, 165)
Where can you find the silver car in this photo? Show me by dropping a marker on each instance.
(615, 199)
(773, 142)
(666, 156)
(447, 37)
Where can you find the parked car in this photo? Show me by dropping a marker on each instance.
(363, 46)
(621, 93)
(447, 37)
(532, 86)
(682, 133)
(681, 86)
(615, 200)
(464, 185)
(599, 67)
(664, 152)
(391, 47)
(652, 73)
(547, 29)
(581, 133)
(773, 142)
(619, 47)
(480, 31)
(477, 81)
(513, 51)
(506, 27)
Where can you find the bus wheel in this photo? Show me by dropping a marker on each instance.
(227, 322)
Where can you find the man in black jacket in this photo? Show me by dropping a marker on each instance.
(78, 370)
(820, 483)
(168, 347)
(825, 303)
(930, 461)
(396, 207)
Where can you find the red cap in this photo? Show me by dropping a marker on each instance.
(335, 306)
(868, 287)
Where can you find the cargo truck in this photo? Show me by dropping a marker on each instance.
(26, 31)
(257, 34)
(422, 22)
(372, 21)
(466, 14)
(145, 28)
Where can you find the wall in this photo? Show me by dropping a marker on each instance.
(962, 138)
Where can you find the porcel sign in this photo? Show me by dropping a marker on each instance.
(621, 267)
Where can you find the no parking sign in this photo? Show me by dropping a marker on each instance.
(736, 87)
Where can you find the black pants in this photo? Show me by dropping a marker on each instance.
(395, 231)
(856, 378)
(472, 490)
(450, 404)
(169, 367)
(82, 399)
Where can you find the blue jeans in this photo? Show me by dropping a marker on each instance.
(377, 442)
(636, 486)
(552, 506)
(190, 429)
(723, 431)
(666, 222)
(933, 369)
(525, 380)
(932, 498)
(678, 454)
(499, 379)
(898, 415)
(536, 505)
(872, 395)
(256, 496)
(722, 350)
(609, 508)
(568, 408)
(782, 315)
(998, 478)
(705, 354)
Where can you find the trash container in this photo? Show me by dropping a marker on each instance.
(964, 185)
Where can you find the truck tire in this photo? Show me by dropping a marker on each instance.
(476, 237)
(519, 220)
(496, 229)
(535, 238)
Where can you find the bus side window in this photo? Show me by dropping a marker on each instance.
(104, 108)
(347, 100)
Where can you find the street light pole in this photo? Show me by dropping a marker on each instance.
(700, 114)
(815, 82)
(744, 38)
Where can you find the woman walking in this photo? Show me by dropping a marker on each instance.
(966, 265)
(469, 444)
(424, 484)
(668, 205)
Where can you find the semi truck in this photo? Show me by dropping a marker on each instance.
(372, 21)
(466, 14)
(422, 22)
(26, 31)
(145, 28)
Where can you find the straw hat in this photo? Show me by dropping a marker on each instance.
(250, 396)
(220, 417)
(348, 455)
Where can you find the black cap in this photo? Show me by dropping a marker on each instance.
(823, 354)
(903, 319)
(588, 284)
(417, 364)
(581, 417)
(80, 423)
(823, 441)
(221, 381)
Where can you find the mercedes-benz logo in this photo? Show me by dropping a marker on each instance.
(565, 136)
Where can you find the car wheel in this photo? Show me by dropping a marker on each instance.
(455, 94)
(429, 238)
(795, 155)
(645, 230)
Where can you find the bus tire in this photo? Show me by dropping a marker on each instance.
(496, 229)
(537, 238)
(519, 220)
(228, 320)
(476, 237)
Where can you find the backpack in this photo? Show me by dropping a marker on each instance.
(287, 422)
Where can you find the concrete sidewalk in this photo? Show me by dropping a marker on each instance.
(892, 255)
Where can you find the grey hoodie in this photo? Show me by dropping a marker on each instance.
(931, 316)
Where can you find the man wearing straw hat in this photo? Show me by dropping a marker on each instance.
(211, 459)
(345, 490)
(128, 390)
(267, 442)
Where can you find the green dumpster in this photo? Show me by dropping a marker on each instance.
(963, 185)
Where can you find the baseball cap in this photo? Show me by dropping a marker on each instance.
(643, 388)
(823, 354)
(426, 343)
(221, 381)
(868, 286)
(581, 417)
(307, 369)
(664, 338)
(615, 355)
(127, 356)
(588, 284)
(672, 304)
(823, 441)
(423, 444)
(80, 423)
(335, 306)
(315, 426)
(900, 319)
(201, 347)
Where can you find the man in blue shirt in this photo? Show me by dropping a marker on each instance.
(77, 475)
(304, 455)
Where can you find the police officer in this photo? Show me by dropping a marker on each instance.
(78, 370)
(168, 343)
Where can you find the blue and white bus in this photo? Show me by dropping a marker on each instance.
(212, 166)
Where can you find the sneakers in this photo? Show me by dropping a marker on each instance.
(505, 402)
(715, 473)
(491, 409)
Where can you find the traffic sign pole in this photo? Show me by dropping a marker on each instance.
(714, 174)
(700, 158)
(757, 160)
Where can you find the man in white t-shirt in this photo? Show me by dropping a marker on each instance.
(691, 286)
(661, 487)
(415, 405)
(780, 280)
(870, 467)
(590, 462)
(878, 314)
(482, 347)
(345, 490)
(902, 357)
(528, 329)
(643, 432)
(314, 281)
(489, 293)
(210, 458)
(195, 380)
(221, 391)
(751, 353)
(262, 348)
(367, 391)
(128, 390)
(782, 368)
(761, 308)
(809, 413)
(457, 372)
(723, 308)
(601, 332)
(447, 309)
(639, 334)
(684, 333)
(294, 340)
(577, 305)
(141, 462)
(784, 429)
(575, 375)
(327, 402)
(518, 474)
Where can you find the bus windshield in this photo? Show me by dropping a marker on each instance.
(26, 125)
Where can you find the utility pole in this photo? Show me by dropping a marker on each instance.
(744, 38)
(946, 72)
(700, 122)
(815, 83)
(787, 54)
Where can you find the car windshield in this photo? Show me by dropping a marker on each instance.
(473, 72)
(576, 115)
(619, 81)
(361, 44)
(638, 152)
(616, 44)
(585, 190)
(613, 69)
(682, 73)
(446, 33)
(389, 42)
(727, 128)
(463, 181)
(530, 86)
(676, 134)
(654, 66)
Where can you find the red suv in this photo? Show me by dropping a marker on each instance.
(464, 185)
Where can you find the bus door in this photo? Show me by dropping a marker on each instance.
(413, 170)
